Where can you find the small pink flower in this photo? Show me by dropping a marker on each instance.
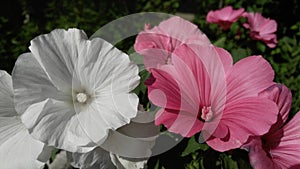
(157, 44)
(262, 28)
(203, 91)
(224, 17)
(280, 147)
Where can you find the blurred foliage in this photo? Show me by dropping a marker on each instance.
(21, 21)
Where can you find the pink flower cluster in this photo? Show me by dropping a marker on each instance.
(261, 28)
(199, 89)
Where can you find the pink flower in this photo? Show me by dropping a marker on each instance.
(157, 44)
(224, 17)
(203, 91)
(262, 28)
(280, 147)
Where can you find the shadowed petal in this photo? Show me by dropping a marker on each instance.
(286, 154)
(29, 79)
(6, 96)
(241, 117)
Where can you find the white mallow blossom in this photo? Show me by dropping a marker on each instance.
(18, 150)
(127, 148)
(71, 91)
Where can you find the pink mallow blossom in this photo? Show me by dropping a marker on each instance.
(261, 28)
(280, 147)
(156, 44)
(224, 17)
(203, 91)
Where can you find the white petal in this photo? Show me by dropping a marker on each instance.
(96, 159)
(54, 123)
(106, 69)
(104, 113)
(58, 52)
(31, 84)
(6, 96)
(17, 148)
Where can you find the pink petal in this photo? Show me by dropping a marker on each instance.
(175, 120)
(210, 17)
(258, 157)
(250, 18)
(166, 38)
(248, 77)
(236, 14)
(174, 88)
(269, 26)
(282, 96)
(164, 91)
(287, 153)
(258, 21)
(207, 67)
(246, 25)
(226, 58)
(225, 16)
(224, 13)
(272, 44)
(266, 37)
(154, 57)
(241, 117)
(187, 30)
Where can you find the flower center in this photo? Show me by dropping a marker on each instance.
(168, 60)
(206, 113)
(81, 97)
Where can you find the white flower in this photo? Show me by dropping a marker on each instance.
(17, 148)
(71, 91)
(128, 147)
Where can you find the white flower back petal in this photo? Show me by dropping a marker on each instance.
(134, 140)
(6, 96)
(96, 159)
(126, 163)
(17, 148)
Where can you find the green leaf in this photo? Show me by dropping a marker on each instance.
(220, 42)
(157, 165)
(193, 146)
(142, 87)
(136, 58)
(53, 154)
(228, 162)
(239, 54)
(261, 46)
